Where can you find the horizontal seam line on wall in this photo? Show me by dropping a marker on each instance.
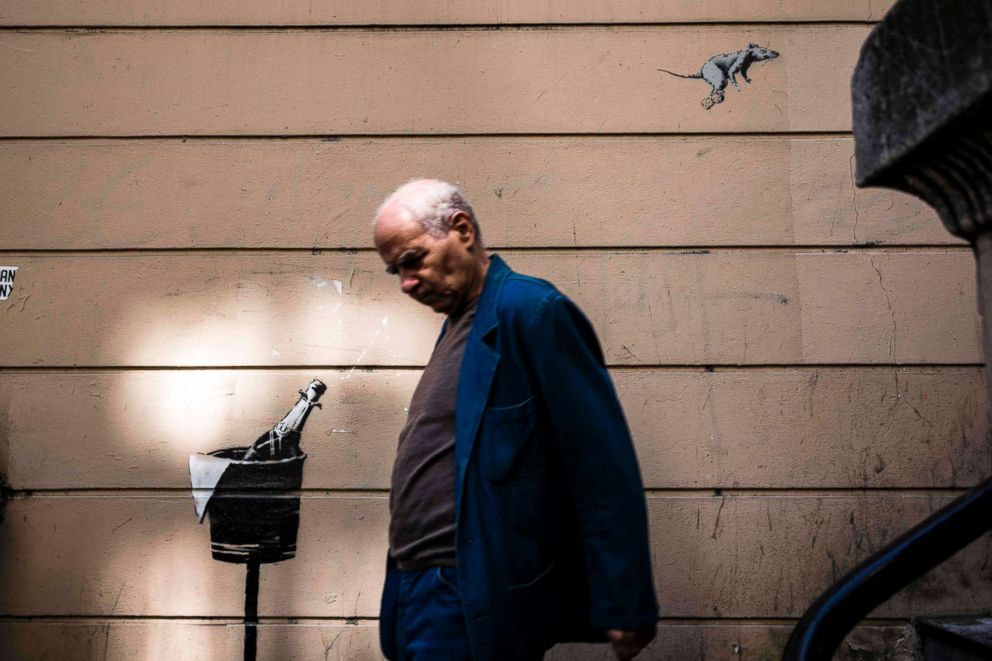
(336, 137)
(206, 620)
(359, 620)
(375, 494)
(691, 367)
(316, 251)
(432, 27)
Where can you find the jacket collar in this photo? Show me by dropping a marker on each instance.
(477, 370)
(486, 318)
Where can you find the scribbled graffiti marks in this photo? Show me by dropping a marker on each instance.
(722, 69)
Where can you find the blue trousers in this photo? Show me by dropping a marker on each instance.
(422, 617)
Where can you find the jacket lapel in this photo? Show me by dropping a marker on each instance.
(477, 371)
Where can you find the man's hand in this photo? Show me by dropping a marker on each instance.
(628, 643)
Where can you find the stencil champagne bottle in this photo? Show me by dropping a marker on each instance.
(283, 440)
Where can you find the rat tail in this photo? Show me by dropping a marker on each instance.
(695, 75)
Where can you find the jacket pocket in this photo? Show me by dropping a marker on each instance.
(541, 577)
(507, 446)
(532, 604)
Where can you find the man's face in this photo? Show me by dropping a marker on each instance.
(439, 272)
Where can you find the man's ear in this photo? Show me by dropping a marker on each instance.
(463, 228)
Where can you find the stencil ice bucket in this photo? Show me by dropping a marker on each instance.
(252, 515)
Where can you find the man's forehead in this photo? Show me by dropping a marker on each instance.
(395, 216)
(396, 232)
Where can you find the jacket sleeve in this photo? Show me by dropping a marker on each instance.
(594, 452)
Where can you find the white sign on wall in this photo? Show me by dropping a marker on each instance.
(7, 274)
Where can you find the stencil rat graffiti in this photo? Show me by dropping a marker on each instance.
(723, 68)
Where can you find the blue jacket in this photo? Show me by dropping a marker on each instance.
(552, 541)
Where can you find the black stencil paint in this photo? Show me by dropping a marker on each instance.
(252, 517)
(254, 509)
(722, 69)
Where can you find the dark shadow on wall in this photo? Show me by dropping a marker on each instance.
(5, 495)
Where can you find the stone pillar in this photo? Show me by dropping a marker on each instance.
(922, 94)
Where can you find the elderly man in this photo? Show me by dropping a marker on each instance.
(517, 515)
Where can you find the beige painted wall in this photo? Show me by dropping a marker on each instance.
(428, 12)
(186, 188)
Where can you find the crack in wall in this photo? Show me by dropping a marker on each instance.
(854, 203)
(888, 303)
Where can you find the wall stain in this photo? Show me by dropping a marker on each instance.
(6, 493)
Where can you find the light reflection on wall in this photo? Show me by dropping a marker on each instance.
(202, 328)
(206, 639)
(178, 577)
(198, 340)
(228, 312)
(191, 409)
(310, 325)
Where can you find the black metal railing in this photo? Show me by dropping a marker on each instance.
(827, 622)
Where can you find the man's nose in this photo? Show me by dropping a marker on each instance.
(408, 282)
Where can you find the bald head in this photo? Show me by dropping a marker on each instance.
(431, 203)
(426, 233)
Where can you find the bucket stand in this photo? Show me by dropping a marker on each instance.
(254, 519)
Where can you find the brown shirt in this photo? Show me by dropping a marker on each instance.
(422, 498)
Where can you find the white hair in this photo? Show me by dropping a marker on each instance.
(432, 203)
